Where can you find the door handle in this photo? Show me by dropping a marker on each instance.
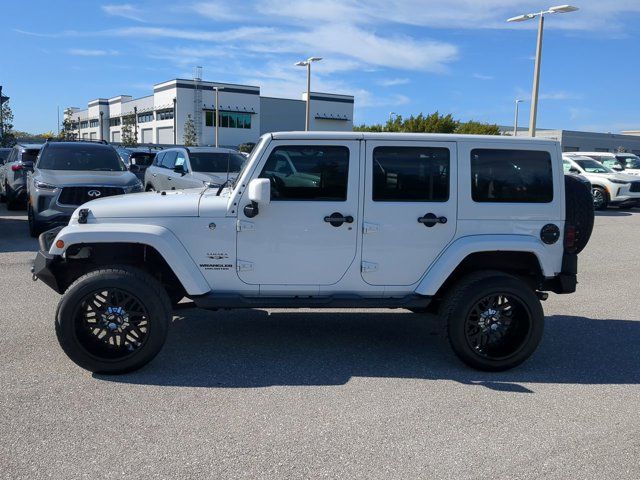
(429, 220)
(336, 219)
(168, 178)
(154, 174)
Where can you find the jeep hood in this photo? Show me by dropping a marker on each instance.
(173, 203)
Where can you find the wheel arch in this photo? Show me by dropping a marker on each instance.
(152, 248)
(519, 255)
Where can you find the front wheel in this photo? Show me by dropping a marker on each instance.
(35, 229)
(600, 198)
(494, 321)
(113, 320)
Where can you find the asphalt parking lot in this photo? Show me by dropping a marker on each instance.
(329, 394)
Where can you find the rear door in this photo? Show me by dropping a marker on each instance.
(409, 209)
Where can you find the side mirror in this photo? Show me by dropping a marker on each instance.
(179, 169)
(259, 193)
(574, 170)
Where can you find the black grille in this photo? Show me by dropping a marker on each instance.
(80, 195)
(635, 187)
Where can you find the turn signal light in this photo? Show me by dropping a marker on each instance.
(569, 237)
(59, 244)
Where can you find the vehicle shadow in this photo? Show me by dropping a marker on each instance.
(249, 349)
(14, 233)
(613, 213)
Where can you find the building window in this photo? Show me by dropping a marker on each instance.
(511, 176)
(114, 122)
(164, 114)
(84, 124)
(94, 123)
(229, 119)
(570, 149)
(145, 117)
(601, 149)
(410, 174)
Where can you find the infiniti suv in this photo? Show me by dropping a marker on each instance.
(69, 174)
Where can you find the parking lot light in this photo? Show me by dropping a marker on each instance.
(307, 63)
(536, 70)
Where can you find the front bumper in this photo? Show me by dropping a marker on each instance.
(567, 280)
(45, 263)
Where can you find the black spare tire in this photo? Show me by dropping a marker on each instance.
(579, 211)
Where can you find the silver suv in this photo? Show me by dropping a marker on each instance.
(182, 167)
(13, 174)
(69, 174)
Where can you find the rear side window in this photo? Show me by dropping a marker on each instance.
(315, 172)
(30, 155)
(216, 161)
(410, 174)
(158, 160)
(511, 176)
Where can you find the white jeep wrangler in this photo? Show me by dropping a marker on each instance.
(473, 228)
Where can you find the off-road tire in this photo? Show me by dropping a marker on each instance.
(146, 290)
(605, 196)
(460, 302)
(579, 211)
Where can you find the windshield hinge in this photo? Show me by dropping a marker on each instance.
(244, 266)
(243, 226)
(369, 227)
(368, 267)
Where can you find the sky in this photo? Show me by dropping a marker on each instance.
(405, 56)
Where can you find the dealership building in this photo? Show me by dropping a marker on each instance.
(244, 114)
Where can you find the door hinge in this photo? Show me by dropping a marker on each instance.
(244, 226)
(369, 227)
(244, 266)
(368, 267)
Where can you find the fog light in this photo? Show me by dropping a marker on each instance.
(59, 244)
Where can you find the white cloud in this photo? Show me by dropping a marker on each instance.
(480, 76)
(125, 10)
(559, 96)
(392, 82)
(84, 52)
(216, 11)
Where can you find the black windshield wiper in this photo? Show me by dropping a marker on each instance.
(221, 187)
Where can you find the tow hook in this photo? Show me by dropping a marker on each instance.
(542, 295)
(33, 274)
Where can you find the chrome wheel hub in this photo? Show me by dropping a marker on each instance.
(115, 319)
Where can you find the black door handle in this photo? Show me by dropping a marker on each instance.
(336, 219)
(429, 220)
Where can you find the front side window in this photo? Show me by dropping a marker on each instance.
(410, 174)
(304, 173)
(511, 176)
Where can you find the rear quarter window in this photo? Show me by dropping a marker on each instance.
(511, 176)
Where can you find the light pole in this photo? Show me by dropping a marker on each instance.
(536, 70)
(307, 63)
(217, 119)
(515, 123)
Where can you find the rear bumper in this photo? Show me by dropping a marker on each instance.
(567, 280)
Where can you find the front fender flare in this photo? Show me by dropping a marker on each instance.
(158, 237)
(461, 248)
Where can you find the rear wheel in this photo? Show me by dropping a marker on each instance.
(494, 321)
(600, 198)
(113, 320)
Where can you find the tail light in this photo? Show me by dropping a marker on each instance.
(570, 237)
(17, 168)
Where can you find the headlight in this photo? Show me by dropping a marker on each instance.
(619, 182)
(136, 187)
(45, 186)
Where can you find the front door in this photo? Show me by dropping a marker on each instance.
(409, 209)
(307, 235)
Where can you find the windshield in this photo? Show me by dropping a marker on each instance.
(630, 161)
(591, 166)
(216, 161)
(81, 157)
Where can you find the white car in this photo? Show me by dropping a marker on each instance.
(476, 229)
(620, 162)
(609, 188)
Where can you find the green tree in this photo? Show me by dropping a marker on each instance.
(128, 136)
(190, 136)
(478, 128)
(8, 138)
(68, 131)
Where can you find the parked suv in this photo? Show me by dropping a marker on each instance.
(609, 188)
(68, 174)
(182, 167)
(474, 228)
(620, 162)
(13, 174)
